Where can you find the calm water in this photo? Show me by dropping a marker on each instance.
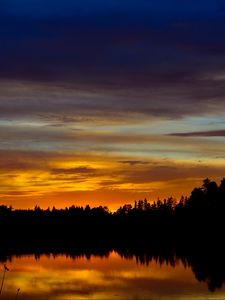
(112, 277)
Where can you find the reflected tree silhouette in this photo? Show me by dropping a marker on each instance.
(206, 263)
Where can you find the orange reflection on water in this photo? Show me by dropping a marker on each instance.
(62, 277)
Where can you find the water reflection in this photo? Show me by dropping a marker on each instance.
(113, 275)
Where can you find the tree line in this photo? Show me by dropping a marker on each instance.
(199, 216)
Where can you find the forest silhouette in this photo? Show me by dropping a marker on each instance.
(199, 216)
(189, 230)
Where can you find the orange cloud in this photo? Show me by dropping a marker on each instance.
(64, 179)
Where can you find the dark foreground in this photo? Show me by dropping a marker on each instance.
(191, 231)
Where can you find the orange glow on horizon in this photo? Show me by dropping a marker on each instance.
(63, 180)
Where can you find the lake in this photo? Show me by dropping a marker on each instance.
(61, 277)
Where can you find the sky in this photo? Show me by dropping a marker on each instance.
(104, 102)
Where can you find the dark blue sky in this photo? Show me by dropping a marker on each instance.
(170, 9)
(95, 40)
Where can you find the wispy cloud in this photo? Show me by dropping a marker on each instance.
(211, 133)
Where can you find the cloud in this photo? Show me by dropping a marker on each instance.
(211, 133)
(79, 170)
(134, 162)
(131, 59)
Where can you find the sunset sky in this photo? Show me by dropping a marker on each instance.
(110, 101)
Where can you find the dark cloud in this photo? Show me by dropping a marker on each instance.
(135, 162)
(212, 133)
(63, 105)
(13, 160)
(79, 170)
(161, 173)
(143, 57)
